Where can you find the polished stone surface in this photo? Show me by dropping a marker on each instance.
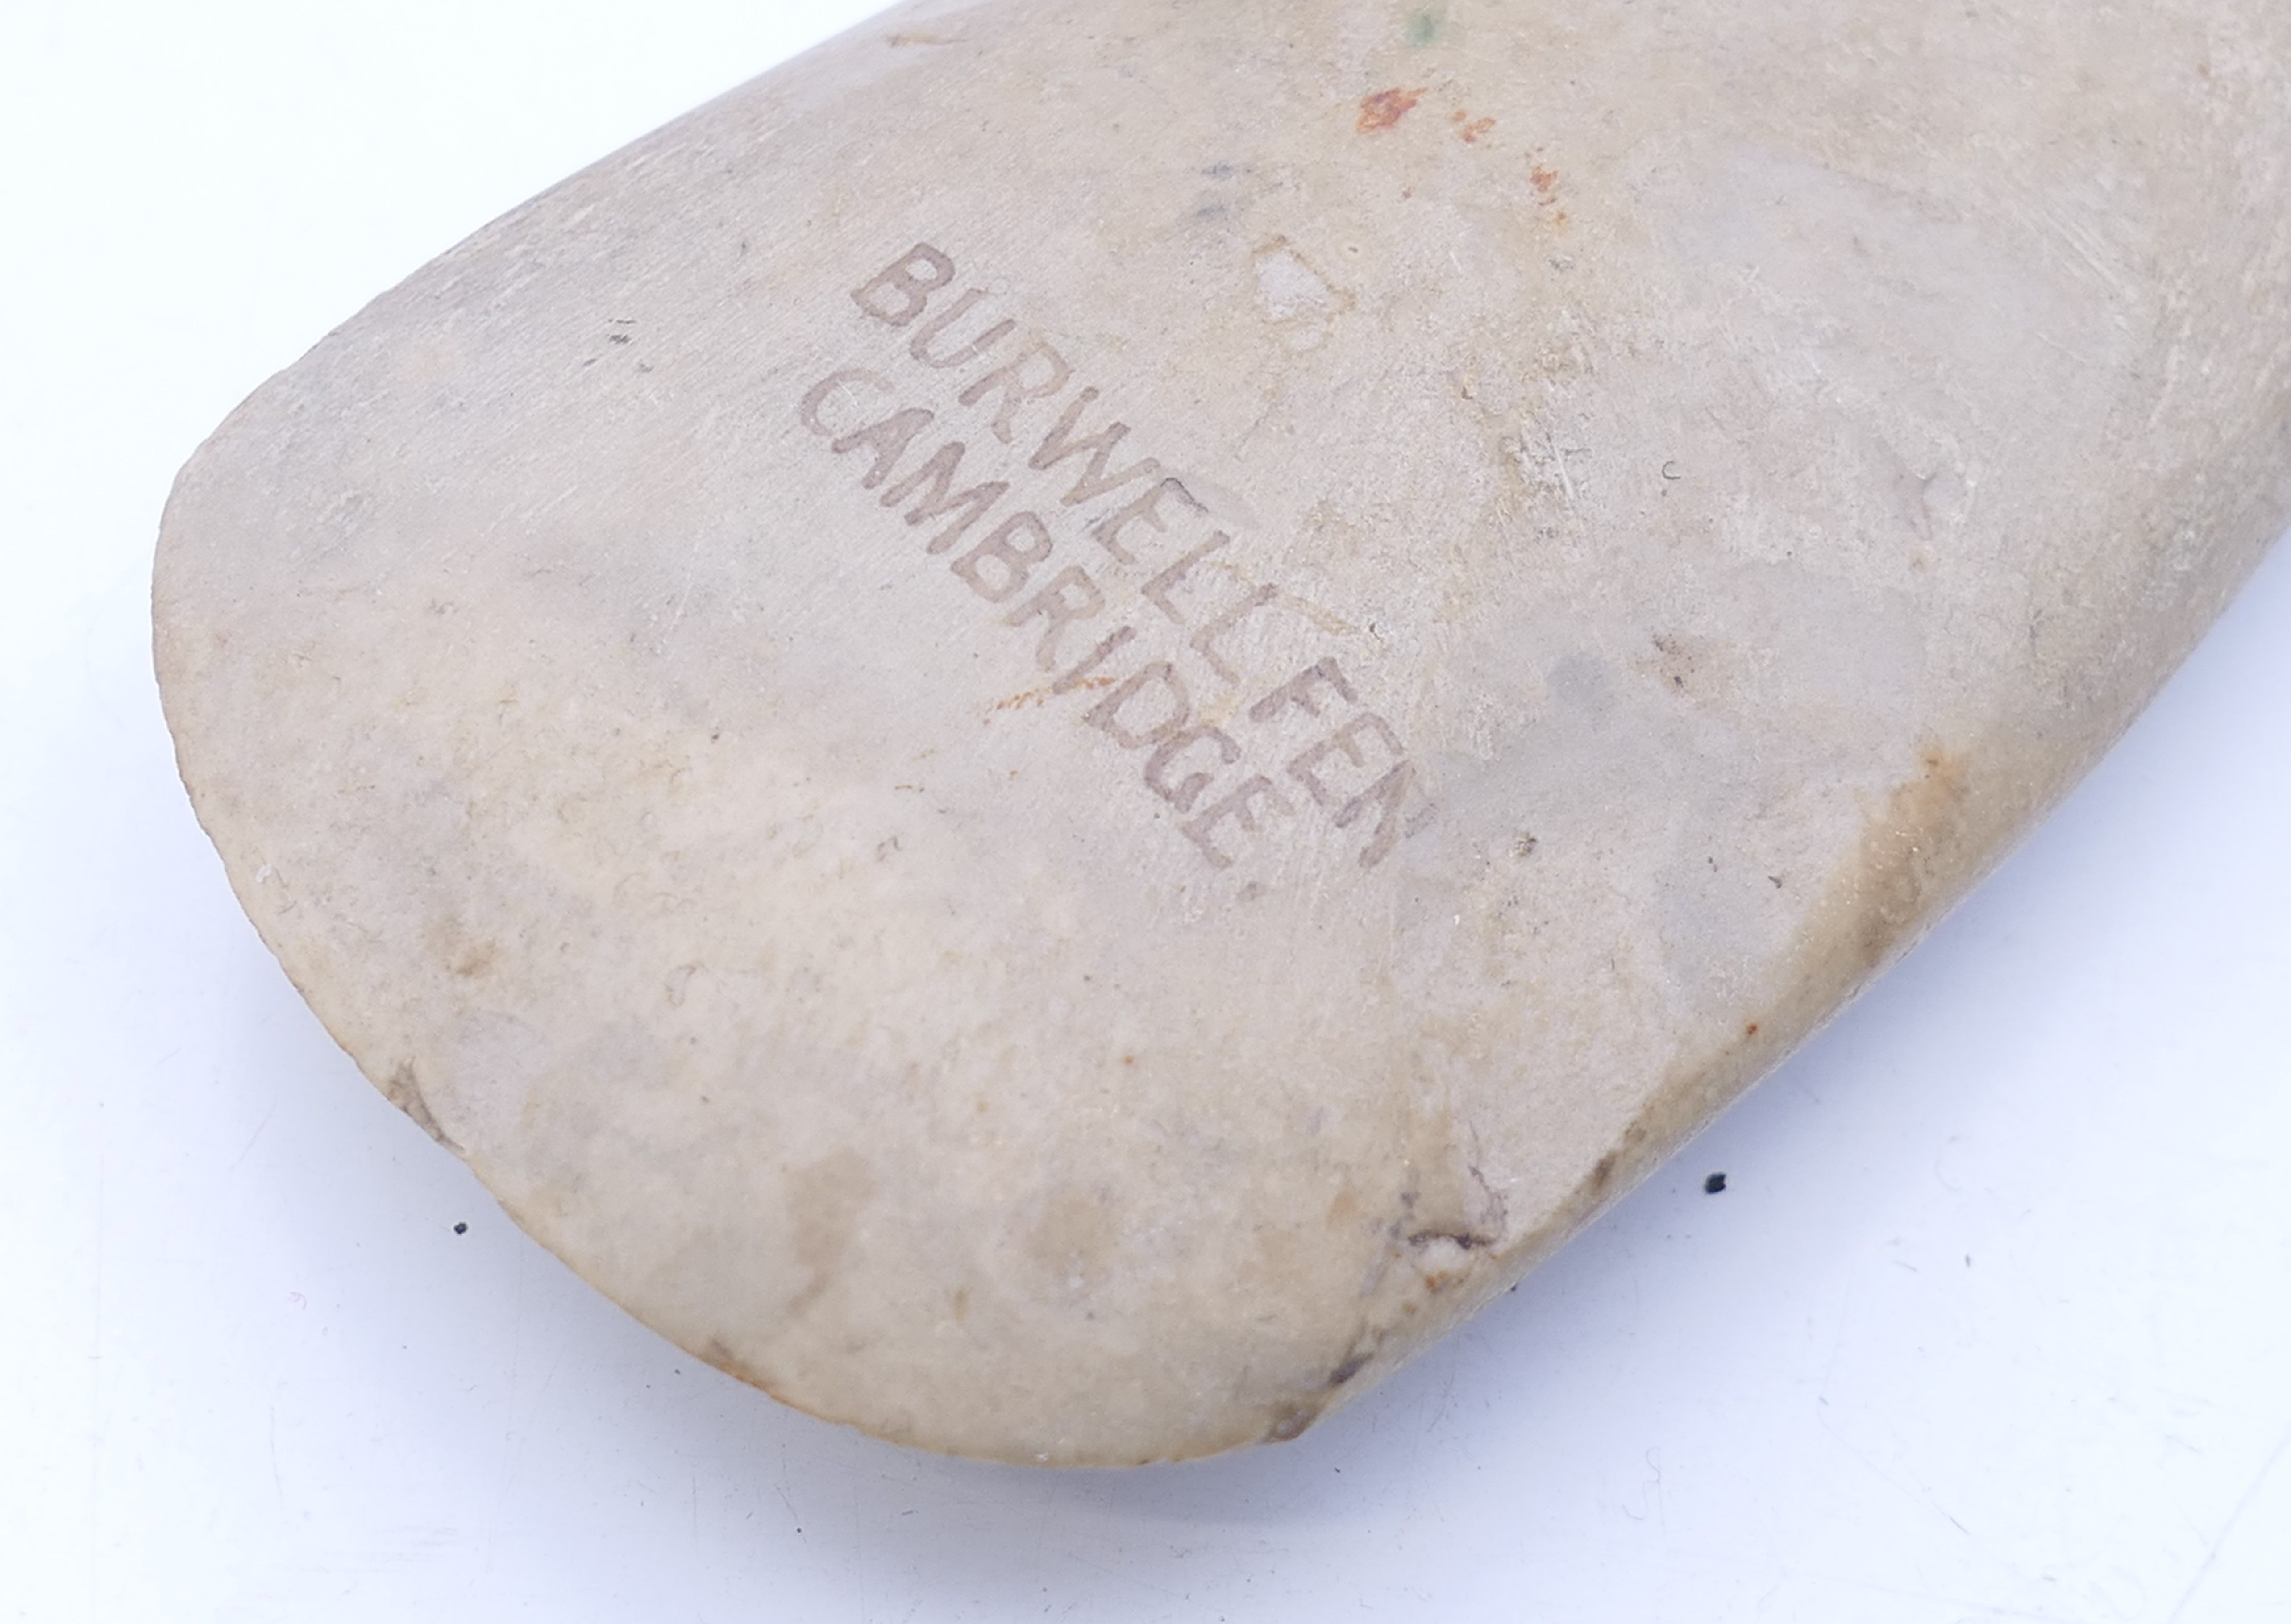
(1087, 946)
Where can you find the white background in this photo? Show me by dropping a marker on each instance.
(1993, 1321)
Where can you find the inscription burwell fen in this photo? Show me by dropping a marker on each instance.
(1113, 570)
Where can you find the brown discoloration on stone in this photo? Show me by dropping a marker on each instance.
(1913, 855)
(1546, 182)
(1387, 108)
(1034, 698)
(825, 1199)
(1932, 840)
(1291, 1421)
(402, 1089)
(721, 1355)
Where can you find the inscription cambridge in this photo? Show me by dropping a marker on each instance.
(1149, 632)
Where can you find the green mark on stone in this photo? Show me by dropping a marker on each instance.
(1423, 28)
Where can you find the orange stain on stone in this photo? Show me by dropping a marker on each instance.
(1546, 188)
(1386, 108)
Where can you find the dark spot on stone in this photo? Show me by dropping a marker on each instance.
(1713, 1185)
(1290, 1421)
(1462, 1240)
(460, 1229)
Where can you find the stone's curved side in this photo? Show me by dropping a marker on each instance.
(1055, 730)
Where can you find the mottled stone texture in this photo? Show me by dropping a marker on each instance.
(1058, 729)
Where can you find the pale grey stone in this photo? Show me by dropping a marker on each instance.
(1644, 503)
